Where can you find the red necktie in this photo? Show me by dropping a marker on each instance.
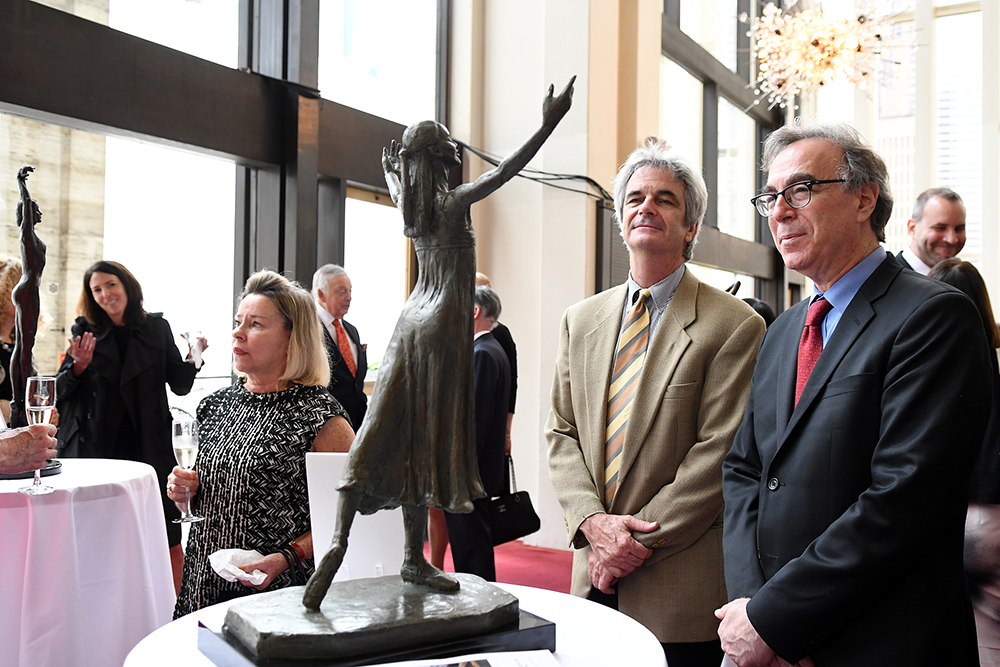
(345, 347)
(811, 344)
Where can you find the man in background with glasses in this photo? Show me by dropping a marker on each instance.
(846, 484)
(937, 230)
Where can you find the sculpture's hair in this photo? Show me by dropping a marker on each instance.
(10, 274)
(424, 175)
(488, 302)
(860, 166)
(88, 307)
(946, 194)
(657, 154)
(307, 363)
(967, 278)
(323, 276)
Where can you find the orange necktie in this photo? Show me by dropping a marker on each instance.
(345, 347)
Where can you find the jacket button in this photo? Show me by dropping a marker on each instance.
(772, 484)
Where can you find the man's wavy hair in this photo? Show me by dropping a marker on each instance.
(860, 166)
(657, 154)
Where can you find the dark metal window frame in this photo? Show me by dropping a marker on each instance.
(266, 116)
(716, 249)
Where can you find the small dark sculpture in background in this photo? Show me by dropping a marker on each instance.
(27, 302)
(416, 446)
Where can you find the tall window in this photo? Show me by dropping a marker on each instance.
(737, 172)
(959, 78)
(681, 110)
(375, 259)
(379, 56)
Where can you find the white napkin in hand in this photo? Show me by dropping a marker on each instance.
(226, 564)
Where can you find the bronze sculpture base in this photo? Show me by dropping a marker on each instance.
(365, 616)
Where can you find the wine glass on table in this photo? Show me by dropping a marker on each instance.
(185, 441)
(40, 401)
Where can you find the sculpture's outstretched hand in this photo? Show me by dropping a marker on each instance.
(390, 159)
(22, 173)
(554, 108)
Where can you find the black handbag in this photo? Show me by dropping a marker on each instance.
(511, 515)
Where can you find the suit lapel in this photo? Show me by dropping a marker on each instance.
(788, 363)
(599, 354)
(666, 348)
(854, 321)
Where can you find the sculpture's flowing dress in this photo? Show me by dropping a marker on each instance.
(416, 445)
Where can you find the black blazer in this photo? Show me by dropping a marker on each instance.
(90, 406)
(492, 398)
(502, 335)
(845, 514)
(347, 389)
(902, 260)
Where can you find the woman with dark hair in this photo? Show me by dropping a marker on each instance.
(112, 394)
(982, 524)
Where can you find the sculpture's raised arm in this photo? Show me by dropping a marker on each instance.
(22, 180)
(553, 110)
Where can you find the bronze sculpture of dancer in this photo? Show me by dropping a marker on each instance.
(27, 303)
(416, 446)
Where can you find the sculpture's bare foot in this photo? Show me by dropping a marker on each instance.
(423, 573)
(319, 582)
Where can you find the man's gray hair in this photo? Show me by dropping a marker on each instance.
(488, 302)
(861, 164)
(324, 275)
(655, 153)
(946, 194)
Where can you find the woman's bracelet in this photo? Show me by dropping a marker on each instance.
(298, 549)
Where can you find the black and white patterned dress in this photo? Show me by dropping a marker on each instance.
(252, 482)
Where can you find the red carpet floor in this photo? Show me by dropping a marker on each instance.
(518, 563)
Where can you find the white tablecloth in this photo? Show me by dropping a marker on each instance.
(587, 634)
(84, 571)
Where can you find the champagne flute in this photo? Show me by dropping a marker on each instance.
(40, 401)
(185, 440)
(192, 340)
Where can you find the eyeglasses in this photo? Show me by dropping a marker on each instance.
(797, 195)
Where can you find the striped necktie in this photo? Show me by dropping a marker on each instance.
(345, 347)
(624, 377)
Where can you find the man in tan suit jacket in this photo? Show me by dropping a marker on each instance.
(650, 544)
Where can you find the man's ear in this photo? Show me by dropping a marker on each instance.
(475, 312)
(911, 227)
(867, 198)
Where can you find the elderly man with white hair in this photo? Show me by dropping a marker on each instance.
(348, 360)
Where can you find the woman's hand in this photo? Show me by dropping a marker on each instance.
(272, 565)
(81, 349)
(182, 484)
(194, 351)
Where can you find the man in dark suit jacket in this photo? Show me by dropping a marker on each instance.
(845, 506)
(332, 291)
(470, 536)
